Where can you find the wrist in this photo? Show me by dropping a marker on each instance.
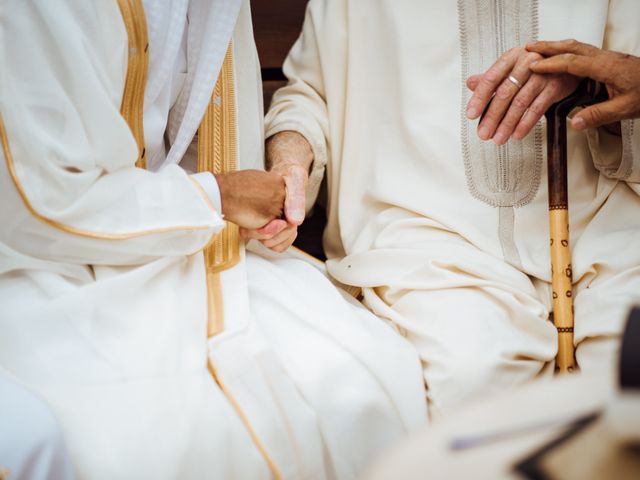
(287, 149)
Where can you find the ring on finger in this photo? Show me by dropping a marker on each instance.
(515, 81)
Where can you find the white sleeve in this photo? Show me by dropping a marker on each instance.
(617, 157)
(69, 188)
(209, 184)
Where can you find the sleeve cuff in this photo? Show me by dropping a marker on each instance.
(208, 183)
(616, 157)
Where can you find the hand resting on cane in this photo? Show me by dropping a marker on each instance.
(513, 96)
(618, 71)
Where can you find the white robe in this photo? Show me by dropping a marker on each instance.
(31, 442)
(449, 236)
(103, 300)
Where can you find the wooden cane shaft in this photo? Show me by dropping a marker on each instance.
(561, 285)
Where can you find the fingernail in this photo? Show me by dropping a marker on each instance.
(533, 63)
(296, 217)
(499, 138)
(483, 133)
(472, 112)
(579, 123)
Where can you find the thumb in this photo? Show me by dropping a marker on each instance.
(599, 114)
(294, 203)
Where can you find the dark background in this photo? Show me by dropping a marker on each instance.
(277, 25)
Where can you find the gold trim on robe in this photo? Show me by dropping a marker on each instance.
(218, 153)
(132, 107)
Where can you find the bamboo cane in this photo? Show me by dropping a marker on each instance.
(587, 93)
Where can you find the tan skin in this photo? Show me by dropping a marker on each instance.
(513, 110)
(618, 71)
(251, 198)
(289, 156)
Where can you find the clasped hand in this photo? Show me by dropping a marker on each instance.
(289, 155)
(251, 198)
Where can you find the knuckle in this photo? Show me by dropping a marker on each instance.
(552, 88)
(490, 78)
(572, 44)
(504, 92)
(532, 57)
(521, 103)
(537, 110)
(594, 115)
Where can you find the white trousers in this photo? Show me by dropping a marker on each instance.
(480, 325)
(31, 443)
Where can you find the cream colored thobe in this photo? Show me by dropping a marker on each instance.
(448, 235)
(31, 442)
(103, 297)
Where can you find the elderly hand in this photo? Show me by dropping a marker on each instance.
(618, 71)
(289, 155)
(251, 198)
(514, 97)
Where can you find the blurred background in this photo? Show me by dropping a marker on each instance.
(277, 25)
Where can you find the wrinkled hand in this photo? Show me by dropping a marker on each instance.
(513, 96)
(618, 71)
(289, 155)
(251, 198)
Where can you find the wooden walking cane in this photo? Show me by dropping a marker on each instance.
(587, 93)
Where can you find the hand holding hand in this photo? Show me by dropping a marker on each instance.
(513, 96)
(251, 198)
(618, 71)
(289, 155)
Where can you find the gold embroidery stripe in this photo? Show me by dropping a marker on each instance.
(73, 230)
(217, 153)
(243, 418)
(215, 303)
(132, 110)
(132, 107)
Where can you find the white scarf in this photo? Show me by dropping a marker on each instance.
(211, 25)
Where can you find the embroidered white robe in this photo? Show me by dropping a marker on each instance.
(447, 235)
(103, 298)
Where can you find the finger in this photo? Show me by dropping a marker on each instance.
(294, 203)
(600, 114)
(505, 95)
(518, 108)
(547, 97)
(489, 82)
(273, 228)
(549, 49)
(473, 81)
(283, 246)
(286, 235)
(598, 68)
(270, 230)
